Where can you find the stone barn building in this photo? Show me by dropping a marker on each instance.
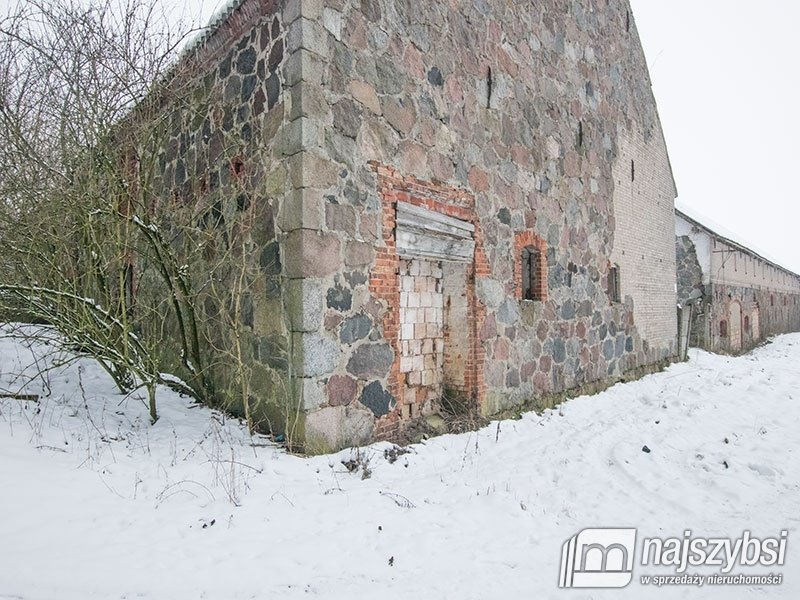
(738, 297)
(464, 203)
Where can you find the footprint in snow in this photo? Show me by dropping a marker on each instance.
(763, 470)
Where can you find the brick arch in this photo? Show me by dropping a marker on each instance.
(528, 239)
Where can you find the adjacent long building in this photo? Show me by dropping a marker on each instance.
(738, 297)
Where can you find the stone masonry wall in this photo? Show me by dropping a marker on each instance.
(690, 285)
(219, 175)
(521, 110)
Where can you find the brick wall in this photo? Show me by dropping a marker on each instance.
(644, 236)
(421, 334)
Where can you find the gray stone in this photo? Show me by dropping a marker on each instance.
(273, 90)
(619, 346)
(307, 34)
(371, 10)
(435, 77)
(358, 254)
(512, 378)
(608, 349)
(275, 57)
(559, 350)
(400, 116)
(248, 86)
(313, 394)
(568, 310)
(233, 90)
(246, 61)
(377, 399)
(371, 361)
(508, 312)
(305, 304)
(225, 67)
(354, 278)
(347, 117)
(270, 259)
(335, 427)
(303, 65)
(311, 253)
(339, 298)
(319, 354)
(355, 328)
(504, 216)
(490, 292)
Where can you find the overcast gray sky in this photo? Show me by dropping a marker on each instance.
(725, 76)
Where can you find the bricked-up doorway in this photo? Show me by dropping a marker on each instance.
(433, 344)
(426, 264)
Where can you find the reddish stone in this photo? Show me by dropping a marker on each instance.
(541, 331)
(541, 382)
(500, 351)
(527, 370)
(341, 390)
(545, 364)
(489, 329)
(412, 60)
(332, 320)
(478, 179)
(586, 355)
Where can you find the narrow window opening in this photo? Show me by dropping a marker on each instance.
(580, 134)
(613, 284)
(489, 88)
(627, 21)
(747, 324)
(772, 300)
(531, 274)
(633, 171)
(723, 329)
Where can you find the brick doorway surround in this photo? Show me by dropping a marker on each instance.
(385, 283)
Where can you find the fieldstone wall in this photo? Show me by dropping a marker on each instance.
(521, 110)
(690, 287)
(212, 150)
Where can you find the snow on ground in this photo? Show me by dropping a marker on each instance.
(97, 503)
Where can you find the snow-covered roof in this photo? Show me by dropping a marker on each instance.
(723, 234)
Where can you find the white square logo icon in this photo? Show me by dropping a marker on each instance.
(598, 558)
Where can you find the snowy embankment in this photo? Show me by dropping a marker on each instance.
(96, 503)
